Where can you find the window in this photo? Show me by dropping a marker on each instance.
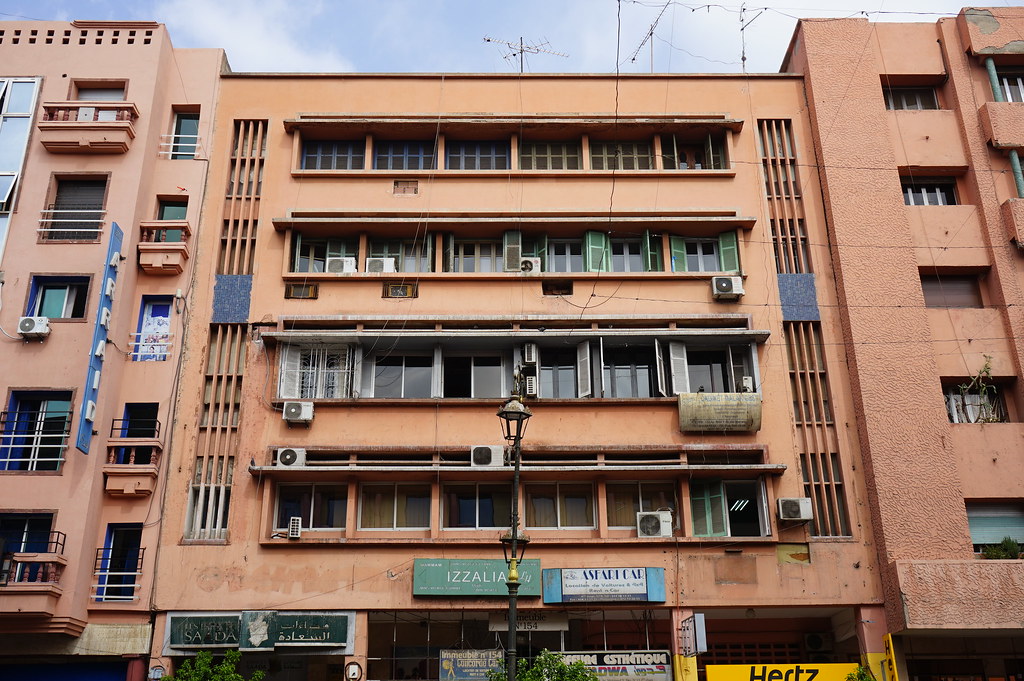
(621, 156)
(322, 506)
(626, 499)
(395, 507)
(210, 498)
(310, 254)
(476, 505)
(333, 155)
(76, 213)
(951, 290)
(99, 93)
(627, 255)
(1012, 82)
(990, 523)
(17, 103)
(560, 505)
(186, 135)
(730, 508)
(34, 431)
(139, 421)
(58, 297)
(904, 98)
(719, 254)
(564, 255)
(409, 376)
(474, 376)
(970, 402)
(170, 210)
(315, 373)
(25, 533)
(549, 156)
(476, 155)
(714, 370)
(403, 155)
(681, 152)
(119, 563)
(153, 339)
(558, 374)
(403, 256)
(476, 256)
(929, 191)
(629, 372)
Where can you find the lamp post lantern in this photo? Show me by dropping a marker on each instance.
(514, 416)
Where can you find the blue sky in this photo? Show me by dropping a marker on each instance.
(448, 35)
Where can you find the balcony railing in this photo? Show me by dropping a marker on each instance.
(33, 440)
(41, 560)
(163, 246)
(117, 573)
(164, 231)
(179, 146)
(71, 222)
(134, 442)
(151, 347)
(89, 112)
(87, 127)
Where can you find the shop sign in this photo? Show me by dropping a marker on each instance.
(720, 412)
(260, 630)
(626, 665)
(472, 577)
(779, 672)
(890, 660)
(530, 620)
(204, 631)
(468, 665)
(604, 584)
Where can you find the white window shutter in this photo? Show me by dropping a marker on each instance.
(436, 390)
(584, 388)
(288, 380)
(356, 358)
(659, 367)
(344, 371)
(677, 362)
(600, 390)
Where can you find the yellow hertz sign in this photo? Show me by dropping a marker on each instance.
(779, 672)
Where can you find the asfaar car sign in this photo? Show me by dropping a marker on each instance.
(779, 672)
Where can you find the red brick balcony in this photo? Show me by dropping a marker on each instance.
(86, 127)
(163, 246)
(30, 580)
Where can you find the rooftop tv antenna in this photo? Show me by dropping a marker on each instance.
(519, 49)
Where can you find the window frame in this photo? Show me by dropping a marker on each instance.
(560, 509)
(642, 501)
(919, 93)
(414, 256)
(304, 371)
(622, 155)
(309, 515)
(395, 486)
(153, 344)
(504, 372)
(388, 153)
(712, 514)
(78, 284)
(456, 257)
(446, 503)
(961, 400)
(929, 191)
(952, 291)
(29, 427)
(342, 154)
(184, 145)
(473, 155)
(568, 155)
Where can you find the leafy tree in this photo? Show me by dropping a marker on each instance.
(547, 666)
(1007, 549)
(861, 673)
(202, 668)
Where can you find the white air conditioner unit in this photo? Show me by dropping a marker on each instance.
(530, 266)
(747, 384)
(487, 456)
(795, 508)
(530, 354)
(34, 327)
(290, 457)
(654, 524)
(297, 412)
(530, 386)
(818, 643)
(340, 265)
(727, 288)
(380, 264)
(295, 527)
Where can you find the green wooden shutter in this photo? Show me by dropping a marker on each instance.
(596, 252)
(650, 250)
(707, 502)
(728, 252)
(677, 249)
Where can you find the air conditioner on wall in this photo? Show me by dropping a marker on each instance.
(34, 327)
(380, 264)
(340, 265)
(487, 456)
(297, 412)
(530, 354)
(290, 457)
(530, 266)
(727, 288)
(295, 527)
(654, 524)
(795, 508)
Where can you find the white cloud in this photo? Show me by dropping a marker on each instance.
(269, 35)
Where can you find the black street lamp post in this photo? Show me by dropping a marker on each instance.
(514, 415)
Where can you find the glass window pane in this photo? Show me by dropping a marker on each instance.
(417, 376)
(387, 377)
(19, 98)
(377, 507)
(540, 506)
(329, 506)
(13, 134)
(412, 506)
(487, 377)
(52, 300)
(293, 500)
(495, 508)
(576, 505)
(623, 504)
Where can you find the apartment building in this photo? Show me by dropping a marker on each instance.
(103, 127)
(646, 255)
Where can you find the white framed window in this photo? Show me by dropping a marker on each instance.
(564, 255)
(399, 506)
(310, 254)
(209, 498)
(476, 505)
(910, 98)
(477, 256)
(626, 499)
(310, 373)
(58, 297)
(407, 255)
(1012, 82)
(475, 375)
(322, 506)
(728, 508)
(406, 376)
(698, 368)
(560, 505)
(929, 191)
(718, 254)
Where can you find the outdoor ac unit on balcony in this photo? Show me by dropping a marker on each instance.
(340, 265)
(295, 527)
(726, 288)
(298, 412)
(290, 457)
(654, 524)
(530, 386)
(380, 264)
(487, 456)
(530, 266)
(795, 508)
(34, 327)
(530, 354)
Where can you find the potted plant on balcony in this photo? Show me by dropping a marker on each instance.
(1008, 549)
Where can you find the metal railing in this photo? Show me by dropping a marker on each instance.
(147, 428)
(71, 222)
(151, 347)
(18, 568)
(117, 573)
(179, 146)
(90, 112)
(33, 440)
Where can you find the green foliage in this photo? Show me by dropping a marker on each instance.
(1008, 549)
(861, 673)
(980, 385)
(202, 668)
(547, 666)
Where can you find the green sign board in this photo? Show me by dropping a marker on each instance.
(204, 631)
(472, 577)
(260, 630)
